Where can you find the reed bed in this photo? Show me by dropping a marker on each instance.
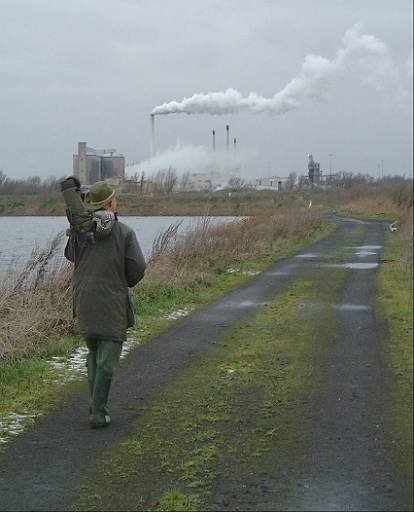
(36, 302)
(208, 249)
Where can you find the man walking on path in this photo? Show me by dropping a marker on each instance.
(102, 307)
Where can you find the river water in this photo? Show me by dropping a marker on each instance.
(20, 235)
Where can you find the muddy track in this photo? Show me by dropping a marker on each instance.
(45, 468)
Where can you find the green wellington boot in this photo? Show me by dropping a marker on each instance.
(91, 365)
(100, 417)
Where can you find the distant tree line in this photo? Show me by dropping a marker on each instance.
(166, 181)
(33, 185)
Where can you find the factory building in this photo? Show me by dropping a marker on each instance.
(275, 183)
(314, 170)
(92, 165)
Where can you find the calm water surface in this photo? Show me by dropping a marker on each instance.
(20, 235)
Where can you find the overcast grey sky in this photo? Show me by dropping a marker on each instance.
(93, 70)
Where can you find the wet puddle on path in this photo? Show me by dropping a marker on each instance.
(367, 247)
(249, 304)
(351, 307)
(353, 266)
(307, 256)
(338, 307)
(363, 254)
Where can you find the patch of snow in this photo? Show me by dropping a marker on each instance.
(244, 273)
(67, 369)
(13, 424)
(175, 315)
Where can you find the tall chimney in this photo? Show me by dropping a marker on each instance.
(82, 173)
(152, 141)
(234, 144)
(214, 140)
(227, 138)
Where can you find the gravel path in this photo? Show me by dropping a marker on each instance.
(45, 468)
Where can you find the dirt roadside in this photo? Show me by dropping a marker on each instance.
(348, 468)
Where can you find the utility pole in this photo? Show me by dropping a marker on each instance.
(330, 163)
(382, 169)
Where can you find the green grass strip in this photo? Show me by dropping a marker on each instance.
(396, 306)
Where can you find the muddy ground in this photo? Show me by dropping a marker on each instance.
(327, 410)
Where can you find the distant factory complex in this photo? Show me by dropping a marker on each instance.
(92, 165)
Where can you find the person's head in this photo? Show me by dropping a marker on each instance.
(102, 196)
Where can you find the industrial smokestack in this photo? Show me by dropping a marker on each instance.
(82, 172)
(227, 138)
(152, 141)
(214, 140)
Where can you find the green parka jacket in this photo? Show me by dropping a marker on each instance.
(102, 274)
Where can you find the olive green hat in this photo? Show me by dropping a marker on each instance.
(101, 193)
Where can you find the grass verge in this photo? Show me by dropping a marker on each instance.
(350, 212)
(396, 305)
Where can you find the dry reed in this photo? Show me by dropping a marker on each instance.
(35, 303)
(207, 249)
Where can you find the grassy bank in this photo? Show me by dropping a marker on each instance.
(396, 305)
(185, 203)
(376, 200)
(183, 274)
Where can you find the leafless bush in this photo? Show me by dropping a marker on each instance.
(165, 180)
(35, 303)
(207, 249)
(164, 240)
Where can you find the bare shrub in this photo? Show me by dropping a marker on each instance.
(35, 303)
(164, 240)
(165, 180)
(378, 204)
(207, 249)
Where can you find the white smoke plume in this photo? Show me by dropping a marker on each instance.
(189, 160)
(360, 53)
